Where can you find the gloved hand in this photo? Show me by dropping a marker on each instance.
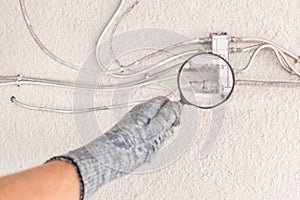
(126, 146)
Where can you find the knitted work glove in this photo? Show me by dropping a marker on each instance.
(126, 146)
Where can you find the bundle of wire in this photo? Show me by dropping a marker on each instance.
(136, 76)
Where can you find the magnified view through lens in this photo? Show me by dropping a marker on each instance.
(205, 80)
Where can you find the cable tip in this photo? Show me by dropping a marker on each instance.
(12, 99)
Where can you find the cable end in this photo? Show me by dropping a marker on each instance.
(12, 99)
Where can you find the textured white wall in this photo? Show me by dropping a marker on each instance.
(258, 153)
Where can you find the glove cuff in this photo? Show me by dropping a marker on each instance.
(74, 164)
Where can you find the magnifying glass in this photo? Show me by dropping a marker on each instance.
(205, 80)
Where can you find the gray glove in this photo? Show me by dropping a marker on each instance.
(126, 146)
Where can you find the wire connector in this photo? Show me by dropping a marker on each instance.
(220, 44)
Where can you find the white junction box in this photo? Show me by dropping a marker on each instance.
(220, 46)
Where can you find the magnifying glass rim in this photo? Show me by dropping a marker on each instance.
(185, 101)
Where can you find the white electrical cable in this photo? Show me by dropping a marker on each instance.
(168, 49)
(43, 47)
(268, 83)
(70, 85)
(153, 67)
(122, 16)
(69, 111)
(78, 111)
(249, 39)
(7, 83)
(286, 65)
(100, 40)
(280, 57)
(281, 53)
(244, 49)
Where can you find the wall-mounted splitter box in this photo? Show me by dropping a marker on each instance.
(220, 46)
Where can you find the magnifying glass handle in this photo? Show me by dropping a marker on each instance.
(181, 101)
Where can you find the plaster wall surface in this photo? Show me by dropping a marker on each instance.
(257, 155)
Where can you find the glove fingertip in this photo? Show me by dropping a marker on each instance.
(161, 100)
(177, 108)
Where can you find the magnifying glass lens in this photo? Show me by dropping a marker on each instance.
(206, 80)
